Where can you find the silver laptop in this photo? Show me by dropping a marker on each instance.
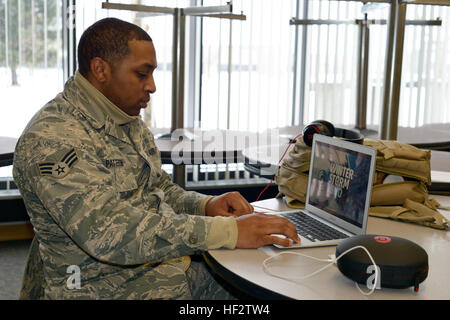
(339, 192)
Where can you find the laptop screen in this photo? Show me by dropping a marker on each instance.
(339, 182)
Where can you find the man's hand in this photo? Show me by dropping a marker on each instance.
(231, 204)
(257, 230)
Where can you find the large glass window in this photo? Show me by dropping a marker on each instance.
(30, 61)
(240, 75)
(247, 67)
(425, 86)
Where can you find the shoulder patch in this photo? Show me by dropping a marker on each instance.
(61, 168)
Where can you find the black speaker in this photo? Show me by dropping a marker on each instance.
(402, 263)
(326, 128)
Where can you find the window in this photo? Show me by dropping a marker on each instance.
(30, 61)
(240, 75)
(425, 87)
(30, 51)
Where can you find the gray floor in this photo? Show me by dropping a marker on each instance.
(13, 255)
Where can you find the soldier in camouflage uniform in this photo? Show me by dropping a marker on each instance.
(100, 204)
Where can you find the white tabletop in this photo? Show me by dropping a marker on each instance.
(331, 284)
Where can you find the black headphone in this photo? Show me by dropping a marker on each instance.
(327, 129)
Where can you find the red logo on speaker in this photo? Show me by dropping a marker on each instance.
(382, 239)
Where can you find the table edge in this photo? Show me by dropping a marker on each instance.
(241, 284)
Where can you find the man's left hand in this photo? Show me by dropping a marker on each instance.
(231, 204)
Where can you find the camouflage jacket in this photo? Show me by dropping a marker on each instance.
(101, 205)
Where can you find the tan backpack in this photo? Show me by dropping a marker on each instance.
(406, 200)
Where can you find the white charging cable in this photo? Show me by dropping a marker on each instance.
(331, 262)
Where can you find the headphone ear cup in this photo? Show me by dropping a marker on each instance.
(320, 127)
(330, 127)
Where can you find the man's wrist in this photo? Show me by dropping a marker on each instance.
(202, 208)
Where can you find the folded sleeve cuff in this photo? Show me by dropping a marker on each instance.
(223, 233)
(202, 205)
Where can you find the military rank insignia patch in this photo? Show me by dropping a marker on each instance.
(59, 169)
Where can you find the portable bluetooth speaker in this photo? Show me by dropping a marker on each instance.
(402, 263)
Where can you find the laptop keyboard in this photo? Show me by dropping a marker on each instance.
(313, 229)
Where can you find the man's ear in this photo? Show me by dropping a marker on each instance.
(100, 69)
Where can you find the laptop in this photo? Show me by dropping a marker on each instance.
(339, 192)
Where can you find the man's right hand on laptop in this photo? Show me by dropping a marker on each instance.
(257, 229)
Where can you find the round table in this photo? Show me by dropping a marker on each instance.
(242, 268)
(7, 146)
(190, 146)
(194, 146)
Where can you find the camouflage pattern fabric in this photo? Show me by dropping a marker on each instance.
(202, 285)
(33, 279)
(102, 206)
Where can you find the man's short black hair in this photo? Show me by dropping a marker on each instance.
(107, 39)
